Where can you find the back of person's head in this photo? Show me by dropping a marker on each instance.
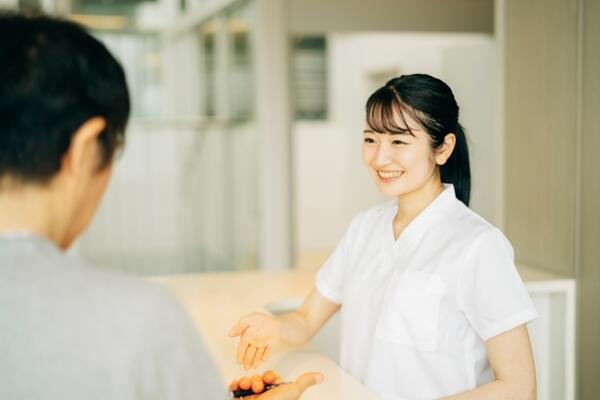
(54, 76)
(430, 102)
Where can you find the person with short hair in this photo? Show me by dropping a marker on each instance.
(67, 329)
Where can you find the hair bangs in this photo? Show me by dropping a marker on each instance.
(386, 113)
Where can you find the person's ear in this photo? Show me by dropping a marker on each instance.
(444, 151)
(83, 151)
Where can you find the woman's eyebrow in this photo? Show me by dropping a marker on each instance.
(409, 133)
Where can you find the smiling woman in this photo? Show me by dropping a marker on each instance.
(420, 114)
(432, 285)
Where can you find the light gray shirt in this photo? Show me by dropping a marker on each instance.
(69, 331)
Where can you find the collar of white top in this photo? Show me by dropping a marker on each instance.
(422, 222)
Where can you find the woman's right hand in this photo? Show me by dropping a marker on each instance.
(258, 333)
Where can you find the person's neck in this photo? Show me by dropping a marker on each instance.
(32, 209)
(411, 204)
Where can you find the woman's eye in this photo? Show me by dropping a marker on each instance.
(396, 142)
(369, 140)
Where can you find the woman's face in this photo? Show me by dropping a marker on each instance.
(399, 163)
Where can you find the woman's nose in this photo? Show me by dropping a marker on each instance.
(383, 155)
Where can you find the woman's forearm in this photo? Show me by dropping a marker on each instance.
(295, 328)
(299, 326)
(511, 360)
(498, 390)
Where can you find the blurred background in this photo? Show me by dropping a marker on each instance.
(243, 152)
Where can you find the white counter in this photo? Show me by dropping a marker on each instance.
(553, 333)
(215, 301)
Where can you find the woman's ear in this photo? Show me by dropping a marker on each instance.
(444, 151)
(83, 147)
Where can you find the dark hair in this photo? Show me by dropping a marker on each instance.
(54, 76)
(429, 102)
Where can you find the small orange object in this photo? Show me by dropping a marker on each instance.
(269, 377)
(258, 386)
(245, 383)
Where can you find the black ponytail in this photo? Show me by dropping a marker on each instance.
(457, 170)
(430, 102)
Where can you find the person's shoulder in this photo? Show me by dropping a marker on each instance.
(130, 302)
(467, 223)
(106, 279)
(153, 322)
(475, 231)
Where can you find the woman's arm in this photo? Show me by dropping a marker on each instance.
(511, 360)
(300, 326)
(259, 332)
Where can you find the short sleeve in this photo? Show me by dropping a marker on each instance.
(331, 276)
(490, 291)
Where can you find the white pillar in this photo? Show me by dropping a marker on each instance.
(273, 120)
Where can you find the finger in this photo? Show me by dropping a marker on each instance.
(250, 353)
(238, 329)
(258, 357)
(266, 353)
(241, 351)
(307, 380)
(233, 386)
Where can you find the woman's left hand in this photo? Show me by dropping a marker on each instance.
(258, 333)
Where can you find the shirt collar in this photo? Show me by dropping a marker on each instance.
(414, 232)
(15, 235)
(26, 237)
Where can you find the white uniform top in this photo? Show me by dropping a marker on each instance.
(416, 311)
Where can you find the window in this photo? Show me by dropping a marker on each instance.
(309, 77)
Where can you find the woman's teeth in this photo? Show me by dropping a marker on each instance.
(389, 174)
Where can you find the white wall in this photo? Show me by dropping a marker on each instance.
(331, 185)
(317, 16)
(470, 70)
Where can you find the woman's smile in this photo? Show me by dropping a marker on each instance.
(389, 176)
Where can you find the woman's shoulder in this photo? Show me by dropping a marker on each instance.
(471, 225)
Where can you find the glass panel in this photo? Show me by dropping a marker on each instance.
(183, 196)
(182, 199)
(309, 77)
(241, 95)
(140, 56)
(208, 57)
